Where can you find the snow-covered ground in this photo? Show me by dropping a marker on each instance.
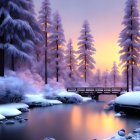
(122, 136)
(131, 98)
(11, 110)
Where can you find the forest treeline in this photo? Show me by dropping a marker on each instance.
(40, 46)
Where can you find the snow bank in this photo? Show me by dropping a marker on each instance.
(54, 102)
(131, 98)
(11, 110)
(122, 136)
(39, 100)
(2, 117)
(116, 137)
(69, 97)
(86, 99)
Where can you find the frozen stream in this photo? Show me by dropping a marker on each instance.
(68, 122)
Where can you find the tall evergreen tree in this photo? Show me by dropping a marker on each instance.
(86, 51)
(70, 59)
(56, 48)
(45, 21)
(19, 31)
(129, 40)
(114, 74)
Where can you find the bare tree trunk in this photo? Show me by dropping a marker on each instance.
(2, 62)
(127, 78)
(12, 63)
(85, 69)
(46, 57)
(114, 80)
(70, 63)
(132, 79)
(132, 74)
(57, 64)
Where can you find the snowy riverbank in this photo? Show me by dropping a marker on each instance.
(122, 136)
(39, 100)
(128, 103)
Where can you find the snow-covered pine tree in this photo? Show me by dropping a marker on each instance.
(45, 22)
(86, 51)
(19, 31)
(56, 47)
(70, 59)
(130, 40)
(114, 75)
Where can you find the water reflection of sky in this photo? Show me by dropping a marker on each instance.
(70, 122)
(95, 123)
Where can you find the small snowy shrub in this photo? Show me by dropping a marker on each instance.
(55, 90)
(12, 89)
(52, 89)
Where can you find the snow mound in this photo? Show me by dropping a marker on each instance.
(11, 110)
(53, 102)
(39, 100)
(131, 98)
(69, 97)
(86, 99)
(16, 105)
(2, 117)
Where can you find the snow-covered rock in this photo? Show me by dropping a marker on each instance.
(131, 98)
(86, 99)
(2, 117)
(11, 110)
(39, 100)
(48, 139)
(121, 132)
(112, 102)
(54, 102)
(137, 130)
(118, 115)
(36, 100)
(9, 122)
(69, 97)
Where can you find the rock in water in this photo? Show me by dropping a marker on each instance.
(136, 130)
(118, 115)
(18, 118)
(49, 139)
(24, 109)
(9, 122)
(121, 132)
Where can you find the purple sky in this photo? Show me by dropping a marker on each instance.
(104, 16)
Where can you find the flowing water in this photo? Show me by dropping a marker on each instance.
(69, 122)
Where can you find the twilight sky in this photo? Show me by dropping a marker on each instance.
(104, 16)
